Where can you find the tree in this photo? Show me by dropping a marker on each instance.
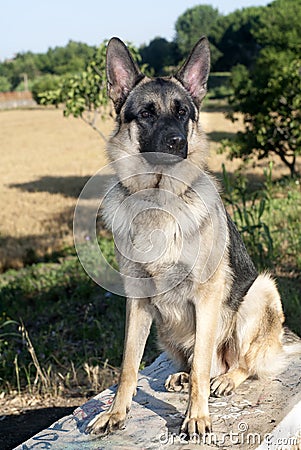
(269, 94)
(44, 83)
(272, 116)
(72, 58)
(233, 36)
(160, 54)
(194, 23)
(4, 84)
(85, 95)
(23, 63)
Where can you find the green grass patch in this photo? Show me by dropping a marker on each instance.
(268, 219)
(71, 323)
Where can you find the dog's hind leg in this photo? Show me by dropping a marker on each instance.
(138, 322)
(258, 335)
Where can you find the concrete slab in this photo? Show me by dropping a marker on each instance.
(260, 415)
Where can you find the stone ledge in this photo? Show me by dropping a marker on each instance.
(259, 415)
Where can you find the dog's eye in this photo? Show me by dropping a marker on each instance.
(182, 112)
(145, 114)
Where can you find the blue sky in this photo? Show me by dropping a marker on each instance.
(37, 25)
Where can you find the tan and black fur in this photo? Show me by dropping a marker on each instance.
(219, 319)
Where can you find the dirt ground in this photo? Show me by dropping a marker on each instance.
(45, 161)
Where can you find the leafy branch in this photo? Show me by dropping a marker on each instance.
(85, 95)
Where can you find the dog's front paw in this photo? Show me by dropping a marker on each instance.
(177, 382)
(105, 422)
(196, 426)
(222, 385)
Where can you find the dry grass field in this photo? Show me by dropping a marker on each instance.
(45, 161)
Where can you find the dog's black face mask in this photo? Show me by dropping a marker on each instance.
(162, 112)
(160, 107)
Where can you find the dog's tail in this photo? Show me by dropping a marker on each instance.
(291, 343)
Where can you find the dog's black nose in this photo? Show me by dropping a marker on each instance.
(176, 142)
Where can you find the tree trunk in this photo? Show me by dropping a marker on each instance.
(290, 164)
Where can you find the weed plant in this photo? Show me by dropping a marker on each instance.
(268, 219)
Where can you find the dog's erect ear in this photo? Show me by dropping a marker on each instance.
(122, 72)
(195, 71)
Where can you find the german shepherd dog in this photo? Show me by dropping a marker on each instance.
(217, 318)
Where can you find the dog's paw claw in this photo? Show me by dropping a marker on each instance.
(177, 382)
(222, 385)
(196, 426)
(105, 422)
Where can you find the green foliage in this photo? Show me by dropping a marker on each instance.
(233, 36)
(61, 335)
(272, 115)
(278, 34)
(219, 86)
(7, 330)
(248, 209)
(267, 217)
(85, 95)
(279, 27)
(269, 94)
(54, 320)
(160, 54)
(69, 59)
(194, 23)
(14, 70)
(283, 216)
(5, 84)
(44, 83)
(61, 60)
(82, 94)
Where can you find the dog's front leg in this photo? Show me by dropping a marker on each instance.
(138, 322)
(197, 420)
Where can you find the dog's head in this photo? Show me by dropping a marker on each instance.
(159, 110)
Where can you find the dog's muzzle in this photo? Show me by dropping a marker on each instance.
(171, 149)
(176, 144)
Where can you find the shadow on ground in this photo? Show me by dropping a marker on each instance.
(19, 251)
(15, 429)
(218, 136)
(68, 186)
